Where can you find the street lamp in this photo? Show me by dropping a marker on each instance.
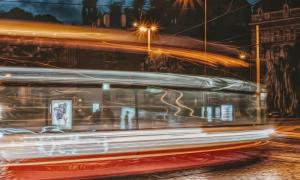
(242, 55)
(147, 29)
(205, 33)
(135, 24)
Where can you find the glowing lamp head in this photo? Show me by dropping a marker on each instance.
(143, 29)
(243, 56)
(135, 24)
(153, 28)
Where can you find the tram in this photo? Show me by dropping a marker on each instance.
(64, 124)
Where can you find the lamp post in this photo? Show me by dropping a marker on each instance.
(258, 85)
(205, 26)
(148, 30)
(205, 33)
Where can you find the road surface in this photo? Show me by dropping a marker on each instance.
(281, 162)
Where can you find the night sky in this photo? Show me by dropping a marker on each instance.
(65, 11)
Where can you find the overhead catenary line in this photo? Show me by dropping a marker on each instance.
(61, 3)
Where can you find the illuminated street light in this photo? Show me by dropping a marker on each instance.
(153, 28)
(143, 29)
(135, 24)
(148, 29)
(242, 55)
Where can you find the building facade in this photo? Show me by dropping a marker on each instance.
(89, 12)
(278, 31)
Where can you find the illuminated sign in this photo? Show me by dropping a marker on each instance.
(217, 112)
(62, 113)
(209, 113)
(95, 107)
(226, 112)
(105, 86)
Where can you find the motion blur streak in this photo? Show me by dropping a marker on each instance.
(47, 75)
(106, 154)
(78, 37)
(291, 132)
(41, 146)
(81, 160)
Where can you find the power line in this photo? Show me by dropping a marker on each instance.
(211, 20)
(59, 3)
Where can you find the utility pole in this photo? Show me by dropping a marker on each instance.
(205, 33)
(205, 26)
(258, 85)
(149, 40)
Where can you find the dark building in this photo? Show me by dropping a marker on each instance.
(279, 27)
(89, 12)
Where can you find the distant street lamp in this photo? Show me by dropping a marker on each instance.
(242, 55)
(135, 24)
(148, 30)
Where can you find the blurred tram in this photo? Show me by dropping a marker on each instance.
(66, 124)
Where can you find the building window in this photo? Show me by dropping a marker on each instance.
(286, 10)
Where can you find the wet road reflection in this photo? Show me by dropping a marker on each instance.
(281, 161)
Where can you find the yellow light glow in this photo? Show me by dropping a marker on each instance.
(153, 28)
(242, 55)
(80, 37)
(135, 24)
(143, 29)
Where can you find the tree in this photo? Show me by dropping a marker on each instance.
(115, 13)
(188, 4)
(138, 8)
(188, 9)
(45, 18)
(17, 13)
(158, 11)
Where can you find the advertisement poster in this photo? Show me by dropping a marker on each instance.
(218, 112)
(62, 113)
(209, 113)
(227, 113)
(95, 107)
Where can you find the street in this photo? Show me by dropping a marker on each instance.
(281, 162)
(149, 90)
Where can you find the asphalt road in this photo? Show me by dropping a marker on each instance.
(281, 161)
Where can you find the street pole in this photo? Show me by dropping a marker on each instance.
(258, 85)
(205, 34)
(205, 26)
(149, 40)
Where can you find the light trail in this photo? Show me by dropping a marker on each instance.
(183, 106)
(79, 37)
(36, 146)
(236, 146)
(45, 75)
(162, 99)
(288, 131)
